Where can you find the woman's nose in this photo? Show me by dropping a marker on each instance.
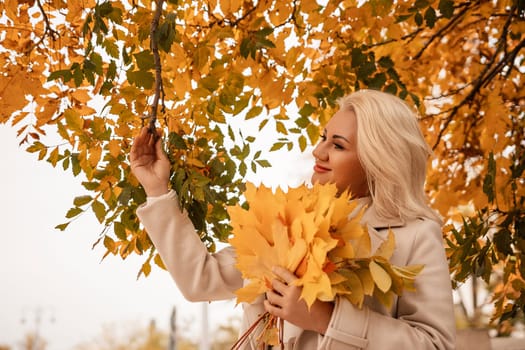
(319, 152)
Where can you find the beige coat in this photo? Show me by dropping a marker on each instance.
(419, 320)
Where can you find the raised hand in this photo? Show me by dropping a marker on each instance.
(149, 163)
(283, 301)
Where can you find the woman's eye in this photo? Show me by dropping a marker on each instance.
(323, 137)
(337, 146)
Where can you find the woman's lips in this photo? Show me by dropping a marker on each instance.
(320, 169)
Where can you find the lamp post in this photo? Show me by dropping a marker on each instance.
(38, 315)
(172, 345)
(205, 339)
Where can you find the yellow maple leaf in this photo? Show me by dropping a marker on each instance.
(386, 249)
(381, 278)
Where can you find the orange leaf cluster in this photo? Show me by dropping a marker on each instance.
(318, 236)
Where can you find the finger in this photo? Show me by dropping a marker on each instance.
(274, 298)
(138, 141)
(272, 309)
(143, 136)
(279, 286)
(284, 274)
(152, 138)
(158, 149)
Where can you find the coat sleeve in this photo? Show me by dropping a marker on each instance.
(199, 275)
(422, 320)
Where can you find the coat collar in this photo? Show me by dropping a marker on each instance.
(373, 219)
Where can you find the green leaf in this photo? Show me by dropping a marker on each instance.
(73, 120)
(276, 146)
(109, 243)
(62, 227)
(82, 200)
(65, 74)
(78, 75)
(305, 111)
(265, 32)
(430, 17)
(263, 124)
(489, 182)
(97, 63)
(111, 48)
(65, 163)
(302, 143)
(115, 15)
(125, 57)
(391, 88)
(141, 78)
(231, 134)
(75, 164)
(402, 18)
(210, 83)
(242, 169)
(166, 35)
(99, 209)
(281, 128)
(366, 70)
(71, 213)
(177, 141)
(120, 230)
(503, 241)
(377, 81)
(265, 43)
(420, 4)
(446, 7)
(312, 131)
(90, 185)
(253, 112)
(246, 47)
(358, 57)
(418, 18)
(88, 69)
(386, 62)
(264, 163)
(144, 60)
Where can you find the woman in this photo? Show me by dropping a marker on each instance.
(374, 147)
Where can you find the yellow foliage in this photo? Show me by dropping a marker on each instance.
(316, 235)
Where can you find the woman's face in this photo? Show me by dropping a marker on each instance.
(336, 158)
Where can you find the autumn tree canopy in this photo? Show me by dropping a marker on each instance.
(94, 72)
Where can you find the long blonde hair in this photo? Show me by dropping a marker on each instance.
(393, 152)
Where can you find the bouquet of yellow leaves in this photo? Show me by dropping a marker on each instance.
(317, 235)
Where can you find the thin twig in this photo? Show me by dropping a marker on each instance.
(48, 30)
(485, 76)
(159, 89)
(441, 31)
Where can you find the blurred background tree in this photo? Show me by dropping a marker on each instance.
(130, 336)
(79, 78)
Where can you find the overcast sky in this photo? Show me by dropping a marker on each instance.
(58, 276)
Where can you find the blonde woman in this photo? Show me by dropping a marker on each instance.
(372, 146)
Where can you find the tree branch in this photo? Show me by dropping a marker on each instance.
(48, 30)
(442, 31)
(486, 75)
(159, 89)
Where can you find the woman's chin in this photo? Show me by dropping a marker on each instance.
(318, 179)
